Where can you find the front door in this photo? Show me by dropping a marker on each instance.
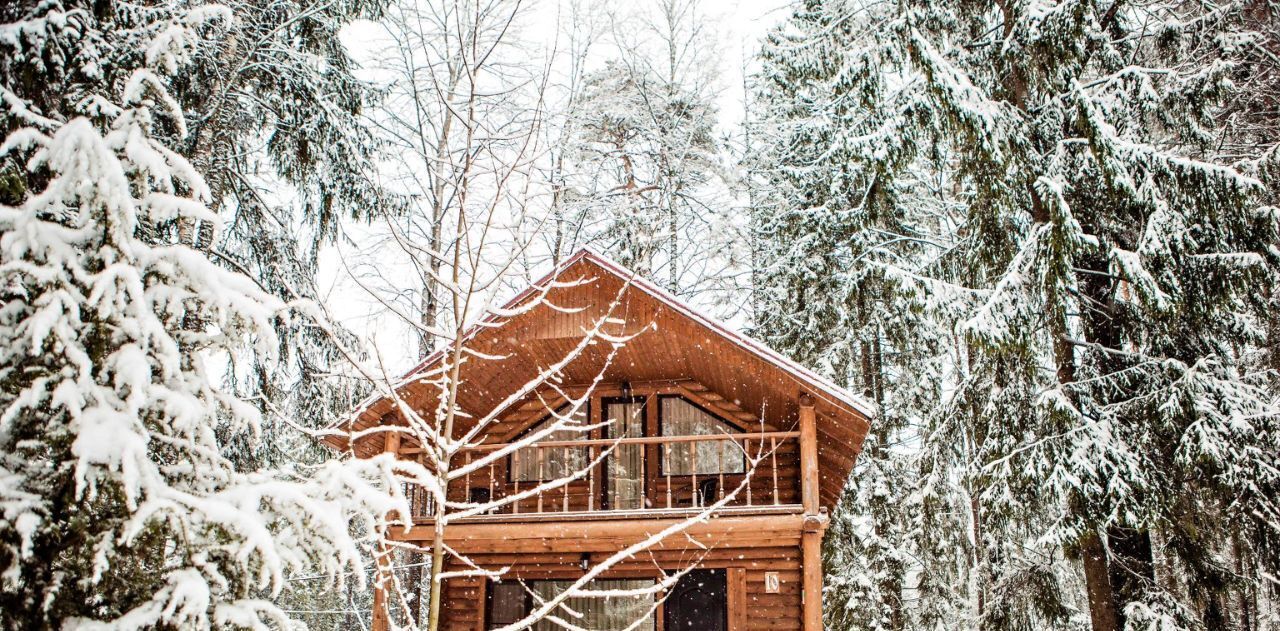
(698, 603)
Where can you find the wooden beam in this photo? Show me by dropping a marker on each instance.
(809, 454)
(811, 548)
(515, 519)
(382, 578)
(571, 536)
(737, 598)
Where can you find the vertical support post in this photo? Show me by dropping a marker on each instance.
(693, 461)
(382, 576)
(811, 547)
(720, 470)
(809, 455)
(737, 598)
(666, 468)
(565, 460)
(542, 474)
(466, 479)
(811, 538)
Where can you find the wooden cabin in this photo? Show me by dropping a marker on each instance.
(680, 406)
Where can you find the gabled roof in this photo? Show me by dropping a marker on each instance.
(673, 341)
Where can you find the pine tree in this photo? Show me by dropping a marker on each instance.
(643, 153)
(120, 508)
(1101, 284)
(640, 149)
(274, 127)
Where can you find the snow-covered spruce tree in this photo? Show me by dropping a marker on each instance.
(826, 229)
(278, 131)
(1248, 131)
(1101, 384)
(1122, 272)
(275, 128)
(275, 106)
(119, 509)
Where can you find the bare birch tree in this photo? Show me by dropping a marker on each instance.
(645, 172)
(466, 110)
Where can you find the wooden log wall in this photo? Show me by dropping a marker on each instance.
(751, 607)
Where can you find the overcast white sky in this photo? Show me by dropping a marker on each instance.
(739, 26)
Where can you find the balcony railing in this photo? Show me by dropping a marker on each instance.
(652, 474)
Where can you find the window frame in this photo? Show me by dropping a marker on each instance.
(511, 460)
(662, 431)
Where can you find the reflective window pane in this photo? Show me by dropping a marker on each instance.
(682, 418)
(533, 464)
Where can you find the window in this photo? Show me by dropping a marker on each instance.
(682, 418)
(626, 464)
(509, 602)
(533, 464)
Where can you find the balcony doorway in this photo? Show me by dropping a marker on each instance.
(625, 467)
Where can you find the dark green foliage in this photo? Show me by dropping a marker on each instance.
(1088, 295)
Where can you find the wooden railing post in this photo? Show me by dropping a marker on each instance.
(811, 539)
(766, 488)
(382, 576)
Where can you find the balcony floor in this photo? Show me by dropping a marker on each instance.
(604, 531)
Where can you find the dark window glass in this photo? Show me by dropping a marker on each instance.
(507, 604)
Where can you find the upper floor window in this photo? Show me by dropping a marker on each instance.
(540, 464)
(683, 418)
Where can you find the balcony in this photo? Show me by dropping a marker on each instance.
(644, 477)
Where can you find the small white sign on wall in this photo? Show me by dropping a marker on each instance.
(772, 584)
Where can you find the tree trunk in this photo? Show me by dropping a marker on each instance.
(1097, 578)
(1131, 566)
(979, 595)
(1245, 615)
(673, 242)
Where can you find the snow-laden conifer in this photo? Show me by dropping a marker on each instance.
(120, 508)
(1103, 281)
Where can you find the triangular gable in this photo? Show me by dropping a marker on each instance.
(677, 342)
